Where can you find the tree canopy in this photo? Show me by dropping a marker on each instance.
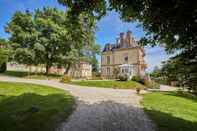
(169, 22)
(51, 37)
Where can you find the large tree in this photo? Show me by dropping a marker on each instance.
(51, 37)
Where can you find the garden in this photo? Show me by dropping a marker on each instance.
(55, 37)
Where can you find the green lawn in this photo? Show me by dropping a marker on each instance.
(171, 111)
(28, 107)
(24, 74)
(109, 84)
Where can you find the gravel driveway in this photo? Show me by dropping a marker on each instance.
(99, 109)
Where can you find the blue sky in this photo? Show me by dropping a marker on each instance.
(108, 30)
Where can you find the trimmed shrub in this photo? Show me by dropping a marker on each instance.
(65, 79)
(123, 77)
(3, 68)
(137, 79)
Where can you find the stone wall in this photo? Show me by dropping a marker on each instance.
(82, 70)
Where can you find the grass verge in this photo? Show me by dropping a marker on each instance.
(171, 111)
(28, 107)
(109, 84)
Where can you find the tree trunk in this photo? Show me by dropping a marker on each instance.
(67, 69)
(47, 69)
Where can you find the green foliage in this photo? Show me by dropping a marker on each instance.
(158, 76)
(28, 107)
(96, 76)
(109, 84)
(95, 64)
(169, 22)
(95, 8)
(3, 56)
(116, 71)
(24, 56)
(183, 70)
(65, 79)
(3, 67)
(123, 77)
(51, 37)
(151, 84)
(137, 79)
(171, 111)
(4, 51)
(156, 72)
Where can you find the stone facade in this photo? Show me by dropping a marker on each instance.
(125, 51)
(81, 70)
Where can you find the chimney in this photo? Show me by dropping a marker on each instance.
(110, 46)
(129, 38)
(121, 39)
(117, 41)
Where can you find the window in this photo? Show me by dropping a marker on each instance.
(108, 70)
(126, 70)
(126, 58)
(108, 59)
(122, 70)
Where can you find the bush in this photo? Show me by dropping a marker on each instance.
(137, 79)
(123, 77)
(151, 84)
(3, 68)
(65, 79)
(161, 80)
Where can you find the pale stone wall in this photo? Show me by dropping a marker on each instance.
(81, 70)
(132, 56)
(25, 68)
(117, 57)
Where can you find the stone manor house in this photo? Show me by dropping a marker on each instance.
(125, 57)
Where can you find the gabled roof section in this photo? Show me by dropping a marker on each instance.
(124, 41)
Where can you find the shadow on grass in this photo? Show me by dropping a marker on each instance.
(31, 74)
(167, 122)
(33, 112)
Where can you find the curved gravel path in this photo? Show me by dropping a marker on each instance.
(99, 109)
